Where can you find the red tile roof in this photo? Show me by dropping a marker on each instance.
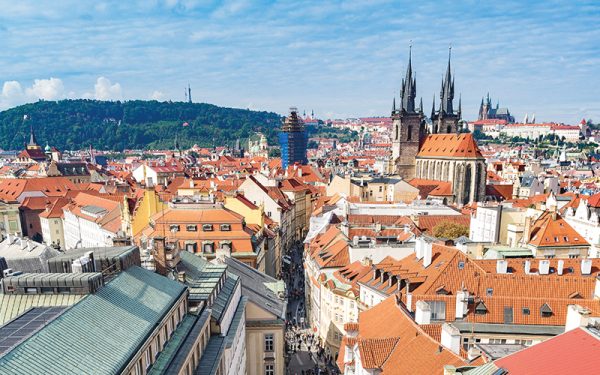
(450, 145)
(573, 352)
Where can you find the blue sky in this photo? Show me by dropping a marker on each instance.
(341, 59)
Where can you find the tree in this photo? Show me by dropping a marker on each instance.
(450, 230)
(312, 144)
(275, 152)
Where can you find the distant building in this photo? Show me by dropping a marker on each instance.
(293, 139)
(488, 112)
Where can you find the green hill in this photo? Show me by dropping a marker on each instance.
(75, 124)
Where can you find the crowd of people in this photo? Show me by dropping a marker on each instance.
(298, 335)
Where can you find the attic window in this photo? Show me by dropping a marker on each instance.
(174, 228)
(575, 295)
(480, 309)
(192, 228)
(461, 265)
(489, 292)
(526, 311)
(555, 239)
(225, 227)
(441, 290)
(207, 227)
(545, 310)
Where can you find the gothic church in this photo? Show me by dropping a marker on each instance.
(438, 152)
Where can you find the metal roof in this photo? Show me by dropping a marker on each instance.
(13, 305)
(101, 333)
(224, 297)
(25, 325)
(211, 358)
(174, 354)
(260, 288)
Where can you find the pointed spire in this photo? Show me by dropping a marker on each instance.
(409, 84)
(448, 87)
(459, 104)
(421, 105)
(433, 108)
(32, 139)
(394, 106)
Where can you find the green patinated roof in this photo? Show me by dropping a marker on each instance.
(224, 297)
(202, 276)
(13, 305)
(209, 364)
(101, 333)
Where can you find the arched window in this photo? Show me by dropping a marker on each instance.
(409, 135)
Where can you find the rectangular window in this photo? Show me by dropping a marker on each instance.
(192, 228)
(207, 227)
(269, 369)
(225, 227)
(438, 310)
(174, 228)
(269, 342)
(209, 248)
(508, 315)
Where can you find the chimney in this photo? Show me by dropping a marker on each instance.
(191, 184)
(427, 254)
(577, 316)
(560, 266)
(10, 237)
(419, 248)
(422, 313)
(527, 266)
(462, 304)
(544, 267)
(586, 266)
(29, 245)
(501, 266)
(451, 338)
(160, 255)
(355, 240)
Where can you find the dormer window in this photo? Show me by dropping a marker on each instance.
(480, 309)
(207, 227)
(174, 228)
(546, 311)
(225, 227)
(192, 228)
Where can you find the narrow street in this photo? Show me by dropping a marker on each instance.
(303, 348)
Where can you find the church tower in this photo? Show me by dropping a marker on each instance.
(408, 126)
(445, 119)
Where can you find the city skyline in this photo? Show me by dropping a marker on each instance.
(338, 59)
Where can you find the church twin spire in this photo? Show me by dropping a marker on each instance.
(408, 91)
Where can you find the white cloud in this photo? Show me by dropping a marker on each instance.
(157, 95)
(105, 90)
(47, 89)
(12, 94)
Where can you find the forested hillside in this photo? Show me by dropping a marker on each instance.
(75, 124)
